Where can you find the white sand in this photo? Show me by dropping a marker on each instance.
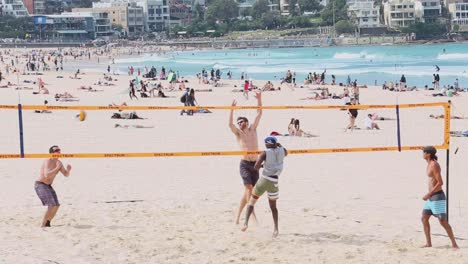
(334, 208)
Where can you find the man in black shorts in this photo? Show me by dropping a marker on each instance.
(246, 136)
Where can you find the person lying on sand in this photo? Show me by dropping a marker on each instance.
(64, 95)
(443, 116)
(116, 105)
(131, 126)
(89, 89)
(459, 133)
(381, 118)
(45, 111)
(126, 115)
(203, 90)
(315, 96)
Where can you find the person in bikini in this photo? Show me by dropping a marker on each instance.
(272, 160)
(43, 185)
(246, 136)
(353, 113)
(435, 200)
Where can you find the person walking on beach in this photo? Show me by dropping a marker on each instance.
(246, 136)
(132, 90)
(43, 185)
(246, 89)
(435, 199)
(272, 159)
(353, 113)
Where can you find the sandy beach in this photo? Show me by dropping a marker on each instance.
(333, 208)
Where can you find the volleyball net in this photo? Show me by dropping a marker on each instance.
(164, 133)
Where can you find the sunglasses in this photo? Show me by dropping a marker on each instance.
(240, 122)
(57, 150)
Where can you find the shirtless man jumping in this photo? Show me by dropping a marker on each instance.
(43, 185)
(246, 136)
(435, 199)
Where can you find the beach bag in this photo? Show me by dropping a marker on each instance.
(183, 99)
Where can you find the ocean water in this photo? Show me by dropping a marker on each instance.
(366, 64)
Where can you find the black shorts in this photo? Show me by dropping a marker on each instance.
(248, 173)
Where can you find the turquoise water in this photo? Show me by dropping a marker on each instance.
(367, 64)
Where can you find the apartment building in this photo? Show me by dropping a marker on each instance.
(129, 16)
(459, 15)
(158, 16)
(47, 7)
(432, 10)
(13, 8)
(402, 13)
(364, 13)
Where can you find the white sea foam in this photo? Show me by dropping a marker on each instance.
(353, 56)
(453, 56)
(142, 59)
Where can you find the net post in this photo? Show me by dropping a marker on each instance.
(397, 107)
(20, 117)
(447, 143)
(447, 180)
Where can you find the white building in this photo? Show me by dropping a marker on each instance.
(364, 13)
(402, 13)
(13, 8)
(459, 15)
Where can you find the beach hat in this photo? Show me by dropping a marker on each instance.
(271, 140)
(430, 150)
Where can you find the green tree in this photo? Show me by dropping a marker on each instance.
(309, 5)
(259, 8)
(340, 12)
(222, 10)
(426, 31)
(15, 27)
(344, 26)
(455, 28)
(271, 20)
(292, 8)
(199, 13)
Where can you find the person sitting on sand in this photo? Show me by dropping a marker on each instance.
(297, 131)
(42, 90)
(369, 123)
(268, 87)
(291, 128)
(131, 126)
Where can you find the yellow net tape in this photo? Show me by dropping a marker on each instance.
(445, 145)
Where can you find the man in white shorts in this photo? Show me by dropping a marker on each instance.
(273, 157)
